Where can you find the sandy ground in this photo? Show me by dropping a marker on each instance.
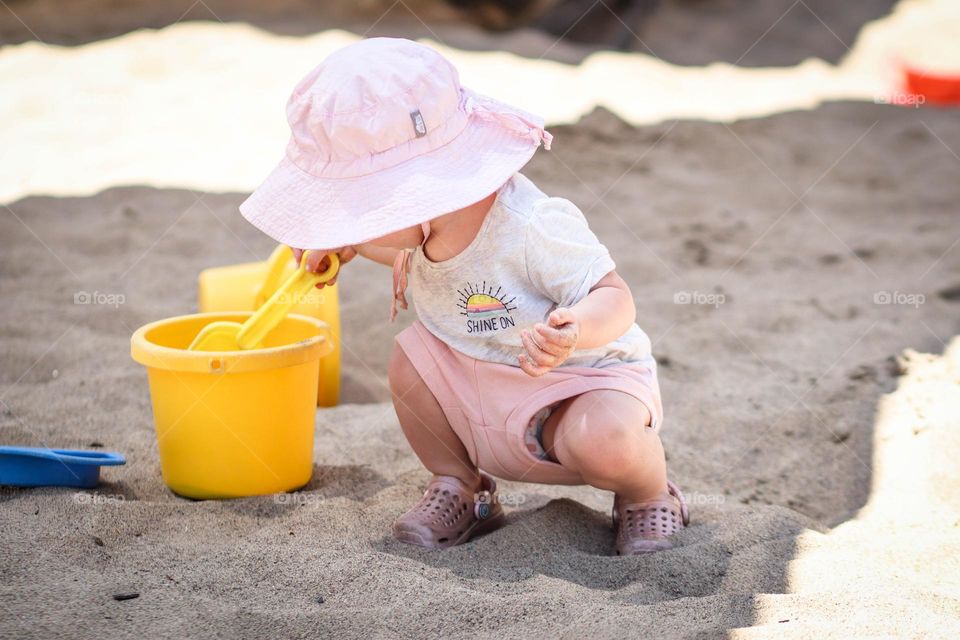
(812, 388)
(200, 104)
(788, 410)
(782, 32)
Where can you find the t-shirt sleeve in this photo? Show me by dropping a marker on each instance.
(563, 256)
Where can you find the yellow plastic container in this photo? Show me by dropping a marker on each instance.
(233, 423)
(244, 287)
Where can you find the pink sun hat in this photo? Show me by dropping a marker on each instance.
(384, 137)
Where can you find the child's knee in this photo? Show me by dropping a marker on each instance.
(605, 426)
(401, 373)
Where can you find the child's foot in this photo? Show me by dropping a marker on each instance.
(449, 513)
(643, 527)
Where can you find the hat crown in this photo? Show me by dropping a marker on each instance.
(370, 98)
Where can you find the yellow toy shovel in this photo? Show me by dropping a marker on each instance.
(233, 336)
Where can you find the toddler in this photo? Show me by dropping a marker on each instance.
(525, 361)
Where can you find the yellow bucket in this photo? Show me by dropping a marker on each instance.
(244, 287)
(233, 423)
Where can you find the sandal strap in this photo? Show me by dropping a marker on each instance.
(684, 510)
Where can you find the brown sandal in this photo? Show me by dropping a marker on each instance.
(645, 526)
(449, 514)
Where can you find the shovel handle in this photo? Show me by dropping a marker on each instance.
(276, 265)
(278, 305)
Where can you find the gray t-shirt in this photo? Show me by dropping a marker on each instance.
(532, 254)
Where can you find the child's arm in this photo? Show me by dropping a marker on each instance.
(603, 315)
(383, 255)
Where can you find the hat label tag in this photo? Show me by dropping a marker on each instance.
(418, 124)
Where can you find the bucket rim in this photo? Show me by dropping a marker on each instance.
(155, 356)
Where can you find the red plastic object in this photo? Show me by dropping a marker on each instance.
(935, 88)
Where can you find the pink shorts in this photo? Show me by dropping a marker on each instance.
(489, 404)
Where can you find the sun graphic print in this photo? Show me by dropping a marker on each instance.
(486, 309)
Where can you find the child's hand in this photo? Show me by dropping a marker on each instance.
(548, 346)
(317, 258)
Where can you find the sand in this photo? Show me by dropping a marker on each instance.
(812, 397)
(781, 32)
(200, 104)
(788, 411)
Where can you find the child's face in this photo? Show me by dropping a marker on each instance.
(408, 238)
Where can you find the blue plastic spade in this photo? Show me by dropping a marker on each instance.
(39, 467)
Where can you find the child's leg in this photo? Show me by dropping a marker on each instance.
(424, 424)
(603, 435)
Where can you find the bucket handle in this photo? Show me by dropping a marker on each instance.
(326, 339)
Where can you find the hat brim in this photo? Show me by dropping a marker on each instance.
(307, 212)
